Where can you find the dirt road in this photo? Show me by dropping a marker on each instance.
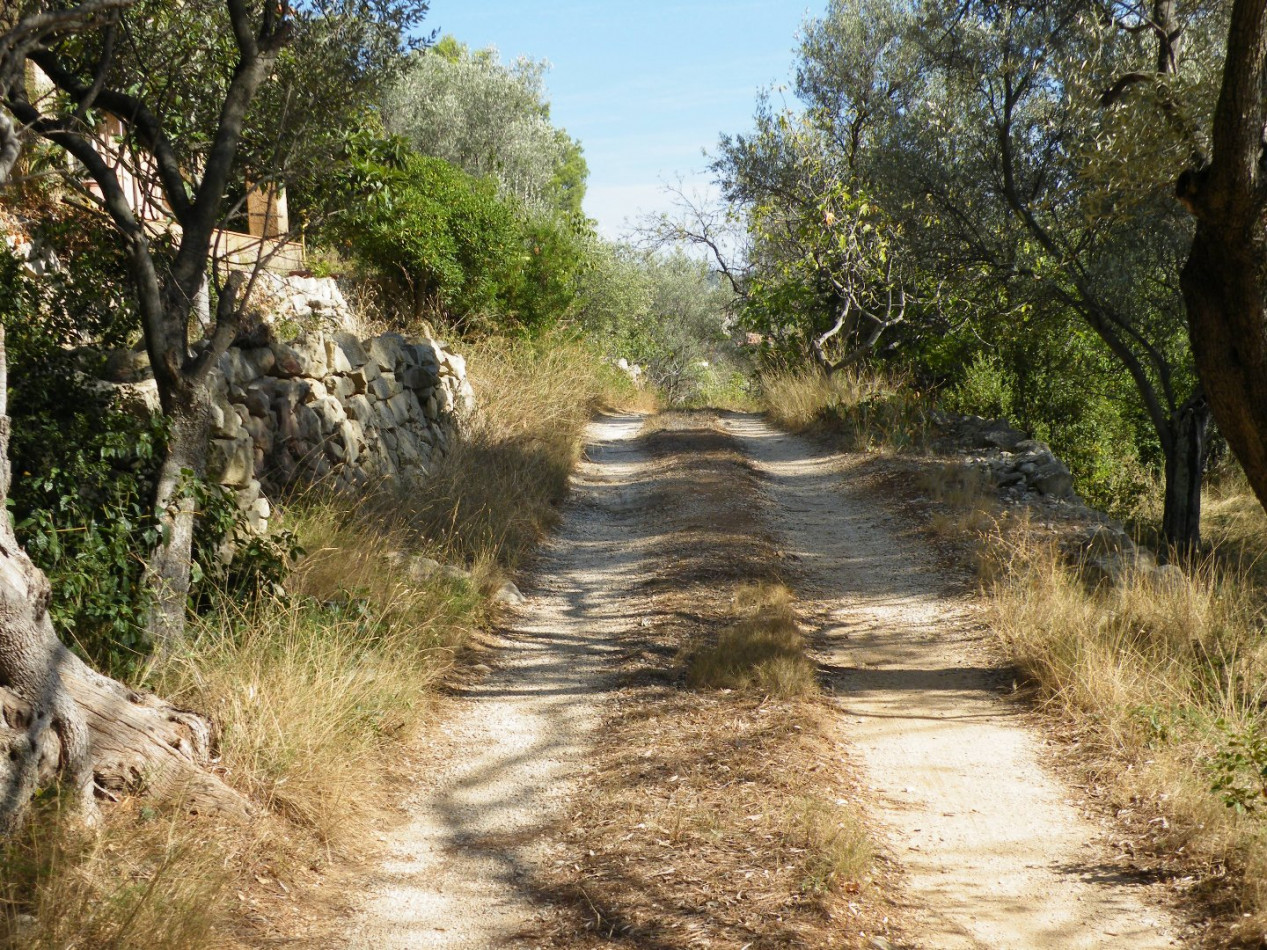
(514, 745)
(994, 852)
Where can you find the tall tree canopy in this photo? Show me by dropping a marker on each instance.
(994, 166)
(489, 119)
(204, 97)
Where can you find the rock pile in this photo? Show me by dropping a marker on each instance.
(1107, 555)
(302, 302)
(635, 372)
(420, 569)
(1028, 472)
(1013, 460)
(1032, 466)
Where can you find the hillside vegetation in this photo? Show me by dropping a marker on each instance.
(1012, 214)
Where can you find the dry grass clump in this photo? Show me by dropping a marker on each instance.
(499, 489)
(715, 817)
(1234, 524)
(1166, 681)
(966, 506)
(866, 409)
(837, 847)
(762, 650)
(146, 878)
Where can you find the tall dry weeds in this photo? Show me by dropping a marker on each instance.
(867, 409)
(498, 492)
(1159, 677)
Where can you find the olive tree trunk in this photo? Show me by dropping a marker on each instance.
(1225, 278)
(169, 570)
(1187, 452)
(61, 720)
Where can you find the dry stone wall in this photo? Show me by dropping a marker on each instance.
(332, 407)
(1026, 472)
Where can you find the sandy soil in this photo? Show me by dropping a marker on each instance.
(995, 850)
(459, 875)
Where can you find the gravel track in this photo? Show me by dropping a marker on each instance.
(995, 852)
(459, 875)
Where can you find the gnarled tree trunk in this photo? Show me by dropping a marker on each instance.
(61, 720)
(1187, 453)
(1225, 279)
(169, 570)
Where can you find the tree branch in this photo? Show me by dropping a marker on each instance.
(132, 111)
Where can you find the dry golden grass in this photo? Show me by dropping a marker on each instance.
(147, 878)
(317, 695)
(1156, 677)
(965, 505)
(1234, 524)
(867, 410)
(499, 489)
(763, 649)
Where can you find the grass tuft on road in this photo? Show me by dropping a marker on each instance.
(722, 810)
(763, 649)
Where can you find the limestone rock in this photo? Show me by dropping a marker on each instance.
(351, 349)
(1053, 479)
(127, 366)
(509, 595)
(231, 462)
(258, 361)
(388, 350)
(420, 568)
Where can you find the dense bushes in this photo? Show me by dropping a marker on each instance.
(84, 468)
(666, 312)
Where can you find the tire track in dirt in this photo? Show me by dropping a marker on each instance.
(461, 873)
(995, 854)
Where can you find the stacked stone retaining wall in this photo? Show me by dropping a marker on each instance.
(333, 408)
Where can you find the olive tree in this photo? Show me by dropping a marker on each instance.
(489, 119)
(1026, 167)
(194, 89)
(1225, 277)
(57, 716)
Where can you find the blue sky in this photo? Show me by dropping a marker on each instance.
(644, 86)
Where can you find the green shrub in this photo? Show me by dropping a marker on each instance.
(424, 228)
(986, 389)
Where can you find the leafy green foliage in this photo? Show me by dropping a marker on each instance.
(84, 469)
(667, 313)
(229, 559)
(179, 59)
(491, 120)
(88, 297)
(538, 284)
(423, 227)
(82, 498)
(444, 241)
(1239, 768)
